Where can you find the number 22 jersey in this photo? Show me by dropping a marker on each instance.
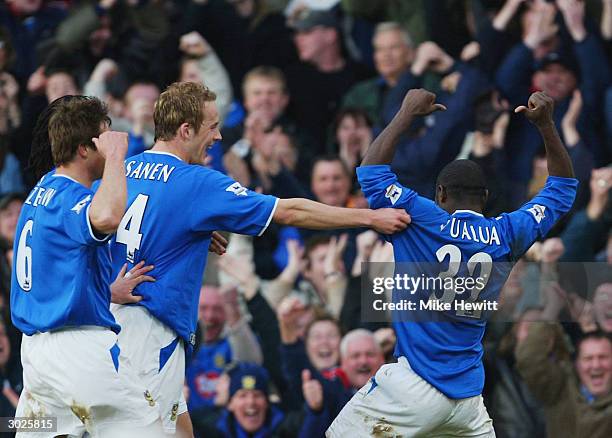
(448, 354)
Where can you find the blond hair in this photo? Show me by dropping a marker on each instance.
(181, 102)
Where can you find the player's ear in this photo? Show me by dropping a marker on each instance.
(82, 151)
(183, 131)
(485, 197)
(441, 195)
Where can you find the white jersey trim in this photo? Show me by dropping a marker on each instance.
(162, 153)
(65, 176)
(269, 218)
(469, 211)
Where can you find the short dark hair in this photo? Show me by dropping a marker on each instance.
(331, 158)
(41, 158)
(74, 123)
(597, 335)
(356, 114)
(462, 179)
(323, 317)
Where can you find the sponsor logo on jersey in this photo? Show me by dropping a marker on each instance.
(237, 189)
(538, 212)
(393, 192)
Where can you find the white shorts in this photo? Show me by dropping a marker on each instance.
(401, 403)
(157, 354)
(79, 376)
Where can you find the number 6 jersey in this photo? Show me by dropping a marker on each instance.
(61, 268)
(443, 344)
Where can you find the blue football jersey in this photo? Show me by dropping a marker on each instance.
(61, 268)
(444, 345)
(172, 209)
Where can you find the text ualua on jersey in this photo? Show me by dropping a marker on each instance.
(460, 229)
(151, 171)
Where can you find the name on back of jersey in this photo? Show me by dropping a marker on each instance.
(464, 230)
(40, 196)
(150, 171)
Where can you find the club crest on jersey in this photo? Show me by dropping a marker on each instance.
(237, 189)
(82, 203)
(538, 212)
(393, 192)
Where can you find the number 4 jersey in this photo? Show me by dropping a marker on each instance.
(61, 268)
(444, 347)
(172, 210)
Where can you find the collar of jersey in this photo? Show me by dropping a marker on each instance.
(469, 211)
(65, 176)
(163, 153)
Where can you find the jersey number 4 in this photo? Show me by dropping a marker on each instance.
(128, 232)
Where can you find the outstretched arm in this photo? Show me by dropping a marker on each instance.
(416, 103)
(539, 111)
(305, 213)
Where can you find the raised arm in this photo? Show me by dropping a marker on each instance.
(418, 102)
(108, 204)
(539, 111)
(305, 213)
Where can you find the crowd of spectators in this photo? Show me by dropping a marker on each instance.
(303, 86)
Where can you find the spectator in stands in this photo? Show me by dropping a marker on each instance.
(10, 112)
(558, 75)
(10, 171)
(318, 83)
(353, 129)
(60, 83)
(393, 54)
(225, 338)
(249, 411)
(577, 398)
(202, 65)
(265, 100)
(602, 307)
(30, 23)
(10, 375)
(10, 206)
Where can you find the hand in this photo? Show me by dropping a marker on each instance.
(107, 4)
(239, 268)
(312, 390)
(218, 243)
(601, 181)
(450, 82)
(194, 44)
(385, 337)
(573, 15)
(420, 102)
(295, 261)
(570, 119)
(10, 87)
(390, 220)
(470, 51)
(112, 144)
(289, 312)
(222, 390)
(539, 109)
(141, 113)
(506, 13)
(37, 81)
(541, 24)
(231, 305)
(552, 249)
(365, 244)
(255, 126)
(333, 259)
(431, 56)
(125, 283)
(105, 69)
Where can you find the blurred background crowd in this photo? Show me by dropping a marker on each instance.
(303, 87)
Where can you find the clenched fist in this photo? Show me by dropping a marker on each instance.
(112, 144)
(420, 102)
(539, 109)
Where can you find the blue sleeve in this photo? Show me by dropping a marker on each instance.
(77, 224)
(223, 204)
(382, 190)
(535, 219)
